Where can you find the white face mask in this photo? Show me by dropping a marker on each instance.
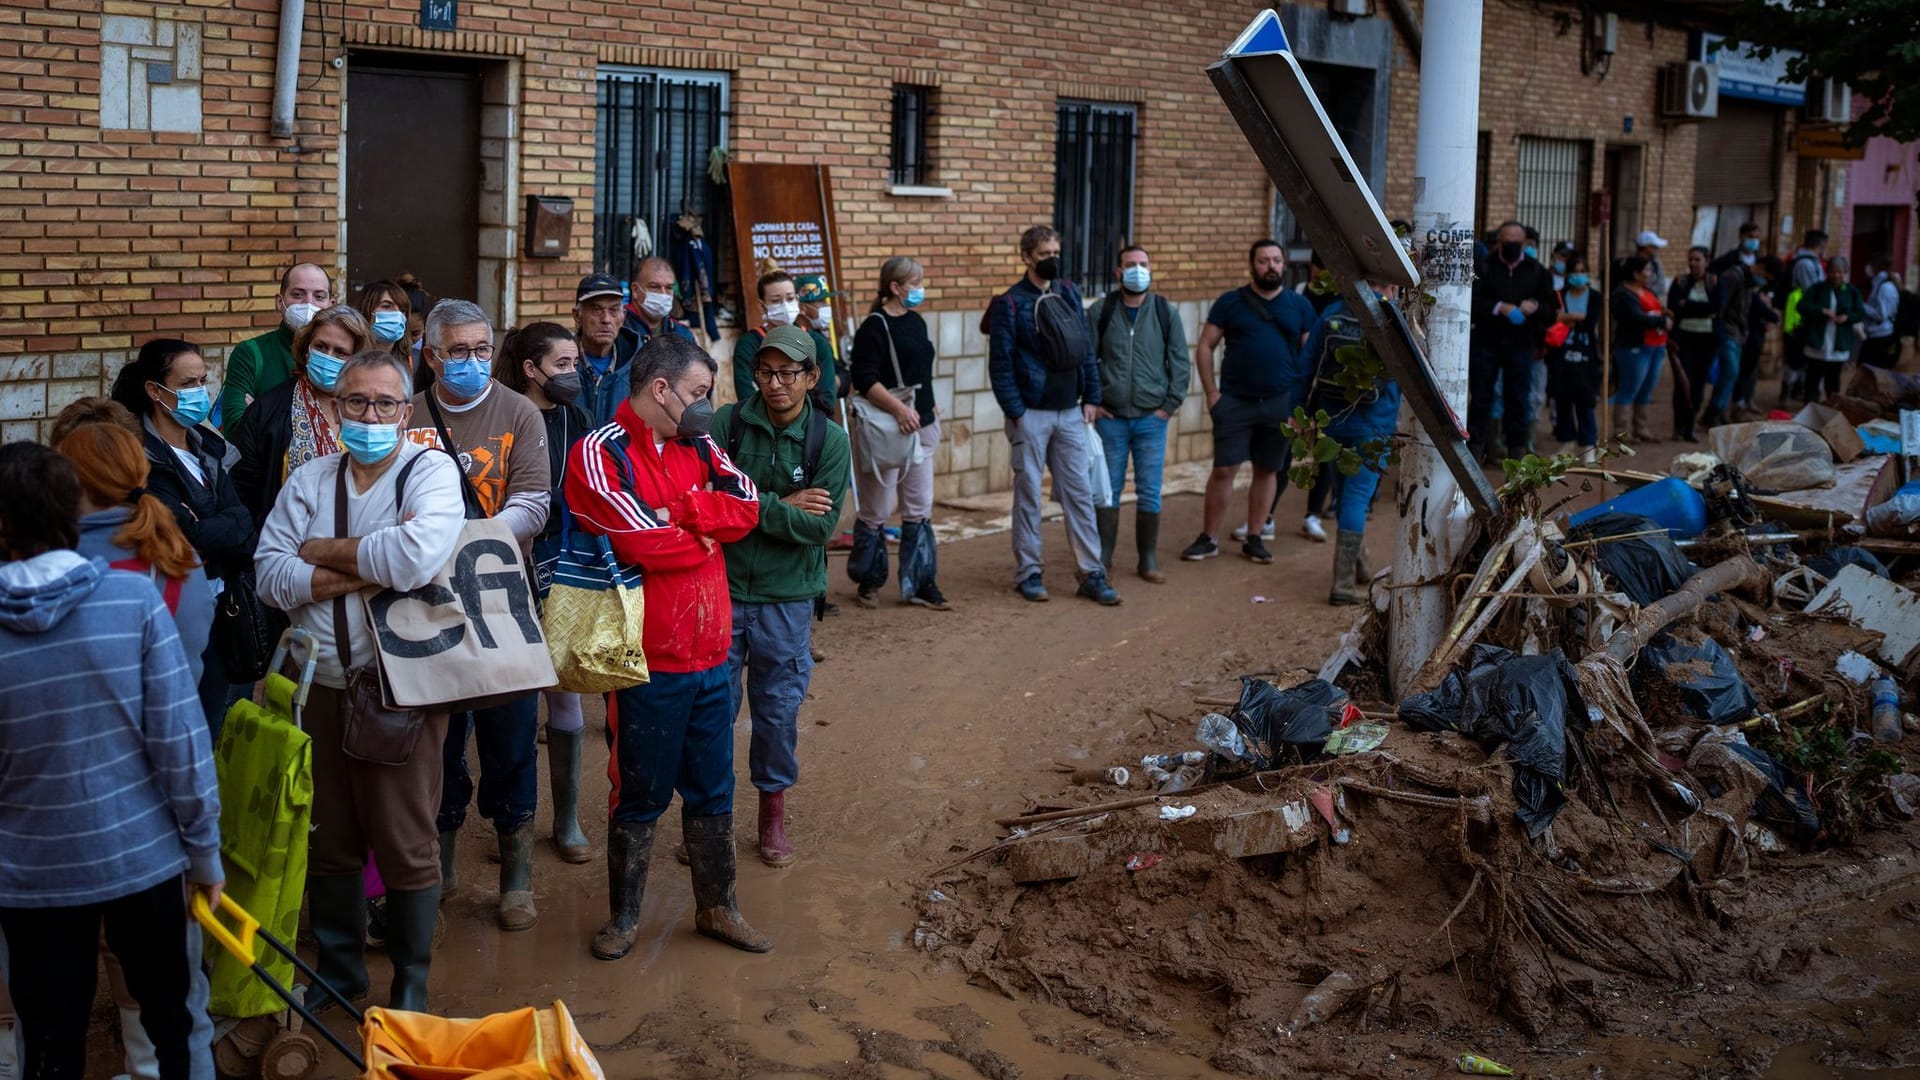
(299, 315)
(825, 318)
(783, 314)
(658, 305)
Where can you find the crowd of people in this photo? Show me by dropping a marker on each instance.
(1538, 333)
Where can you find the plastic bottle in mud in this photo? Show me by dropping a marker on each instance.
(1182, 778)
(1222, 736)
(1886, 709)
(1174, 761)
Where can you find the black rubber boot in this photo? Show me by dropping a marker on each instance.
(716, 911)
(516, 910)
(1146, 538)
(629, 847)
(1346, 558)
(1107, 520)
(449, 879)
(563, 772)
(337, 914)
(410, 920)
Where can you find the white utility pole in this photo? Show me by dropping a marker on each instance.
(1433, 514)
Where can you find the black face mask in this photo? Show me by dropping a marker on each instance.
(1048, 268)
(1510, 251)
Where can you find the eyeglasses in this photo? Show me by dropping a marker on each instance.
(462, 352)
(357, 407)
(784, 376)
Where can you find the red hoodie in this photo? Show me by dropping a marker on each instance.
(686, 499)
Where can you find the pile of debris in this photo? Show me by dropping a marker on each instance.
(1619, 760)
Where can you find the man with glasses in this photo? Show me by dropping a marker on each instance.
(261, 363)
(500, 441)
(777, 573)
(403, 522)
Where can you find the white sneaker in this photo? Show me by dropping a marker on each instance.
(1266, 531)
(1311, 529)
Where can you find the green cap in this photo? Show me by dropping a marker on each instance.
(812, 288)
(796, 344)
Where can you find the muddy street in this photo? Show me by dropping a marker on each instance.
(922, 727)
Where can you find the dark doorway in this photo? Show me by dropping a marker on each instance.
(413, 171)
(1879, 235)
(1623, 179)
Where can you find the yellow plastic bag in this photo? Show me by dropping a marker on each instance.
(594, 619)
(526, 1044)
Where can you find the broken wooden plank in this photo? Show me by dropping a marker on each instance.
(1869, 600)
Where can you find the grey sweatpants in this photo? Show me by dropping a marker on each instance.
(1057, 441)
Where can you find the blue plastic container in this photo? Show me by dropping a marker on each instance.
(1670, 502)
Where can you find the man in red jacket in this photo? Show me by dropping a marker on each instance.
(664, 494)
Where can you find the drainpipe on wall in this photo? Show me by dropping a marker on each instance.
(1409, 26)
(286, 65)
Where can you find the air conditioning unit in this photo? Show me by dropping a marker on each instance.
(1351, 9)
(1691, 91)
(1829, 101)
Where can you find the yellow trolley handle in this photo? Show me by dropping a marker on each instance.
(242, 946)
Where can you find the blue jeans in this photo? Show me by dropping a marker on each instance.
(673, 733)
(1636, 372)
(1729, 352)
(772, 650)
(1145, 437)
(508, 738)
(1353, 429)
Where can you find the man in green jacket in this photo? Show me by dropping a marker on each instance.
(1144, 368)
(259, 364)
(778, 572)
(780, 305)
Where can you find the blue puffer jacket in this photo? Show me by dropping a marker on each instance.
(1013, 358)
(602, 395)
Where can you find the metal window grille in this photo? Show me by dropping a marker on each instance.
(653, 134)
(912, 116)
(1553, 190)
(1093, 188)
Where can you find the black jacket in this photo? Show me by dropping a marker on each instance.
(263, 437)
(1498, 283)
(211, 514)
(566, 425)
(1630, 320)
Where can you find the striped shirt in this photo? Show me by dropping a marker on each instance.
(106, 772)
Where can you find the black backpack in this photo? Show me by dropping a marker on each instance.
(1113, 304)
(1059, 331)
(816, 438)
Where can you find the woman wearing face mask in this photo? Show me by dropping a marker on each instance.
(165, 388)
(542, 360)
(1691, 299)
(388, 310)
(893, 333)
(297, 421)
(1639, 347)
(1573, 362)
(780, 304)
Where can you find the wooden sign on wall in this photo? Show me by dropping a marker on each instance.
(782, 213)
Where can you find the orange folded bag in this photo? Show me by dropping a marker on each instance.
(526, 1044)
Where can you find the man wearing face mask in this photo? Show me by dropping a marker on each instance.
(1744, 253)
(261, 363)
(610, 333)
(1046, 378)
(1144, 369)
(780, 302)
(1513, 305)
(500, 440)
(403, 520)
(666, 497)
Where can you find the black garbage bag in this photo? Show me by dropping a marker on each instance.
(1529, 704)
(1645, 568)
(1710, 685)
(1784, 804)
(1286, 727)
(1829, 562)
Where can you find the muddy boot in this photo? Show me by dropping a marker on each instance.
(449, 881)
(1362, 568)
(410, 919)
(628, 849)
(1107, 520)
(1642, 425)
(774, 848)
(1146, 539)
(337, 914)
(1623, 423)
(716, 911)
(1346, 560)
(516, 879)
(563, 772)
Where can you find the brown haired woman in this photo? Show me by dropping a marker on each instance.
(389, 312)
(297, 421)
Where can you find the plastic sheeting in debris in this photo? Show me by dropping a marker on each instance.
(1645, 568)
(1775, 455)
(1283, 727)
(1709, 684)
(1526, 703)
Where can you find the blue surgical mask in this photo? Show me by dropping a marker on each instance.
(1559, 266)
(1576, 281)
(1532, 252)
(1750, 245)
(467, 377)
(389, 326)
(191, 404)
(369, 443)
(1136, 278)
(915, 295)
(323, 370)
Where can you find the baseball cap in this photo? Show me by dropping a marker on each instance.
(812, 288)
(792, 342)
(597, 285)
(1564, 247)
(1651, 239)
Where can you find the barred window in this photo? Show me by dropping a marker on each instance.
(1093, 189)
(1553, 190)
